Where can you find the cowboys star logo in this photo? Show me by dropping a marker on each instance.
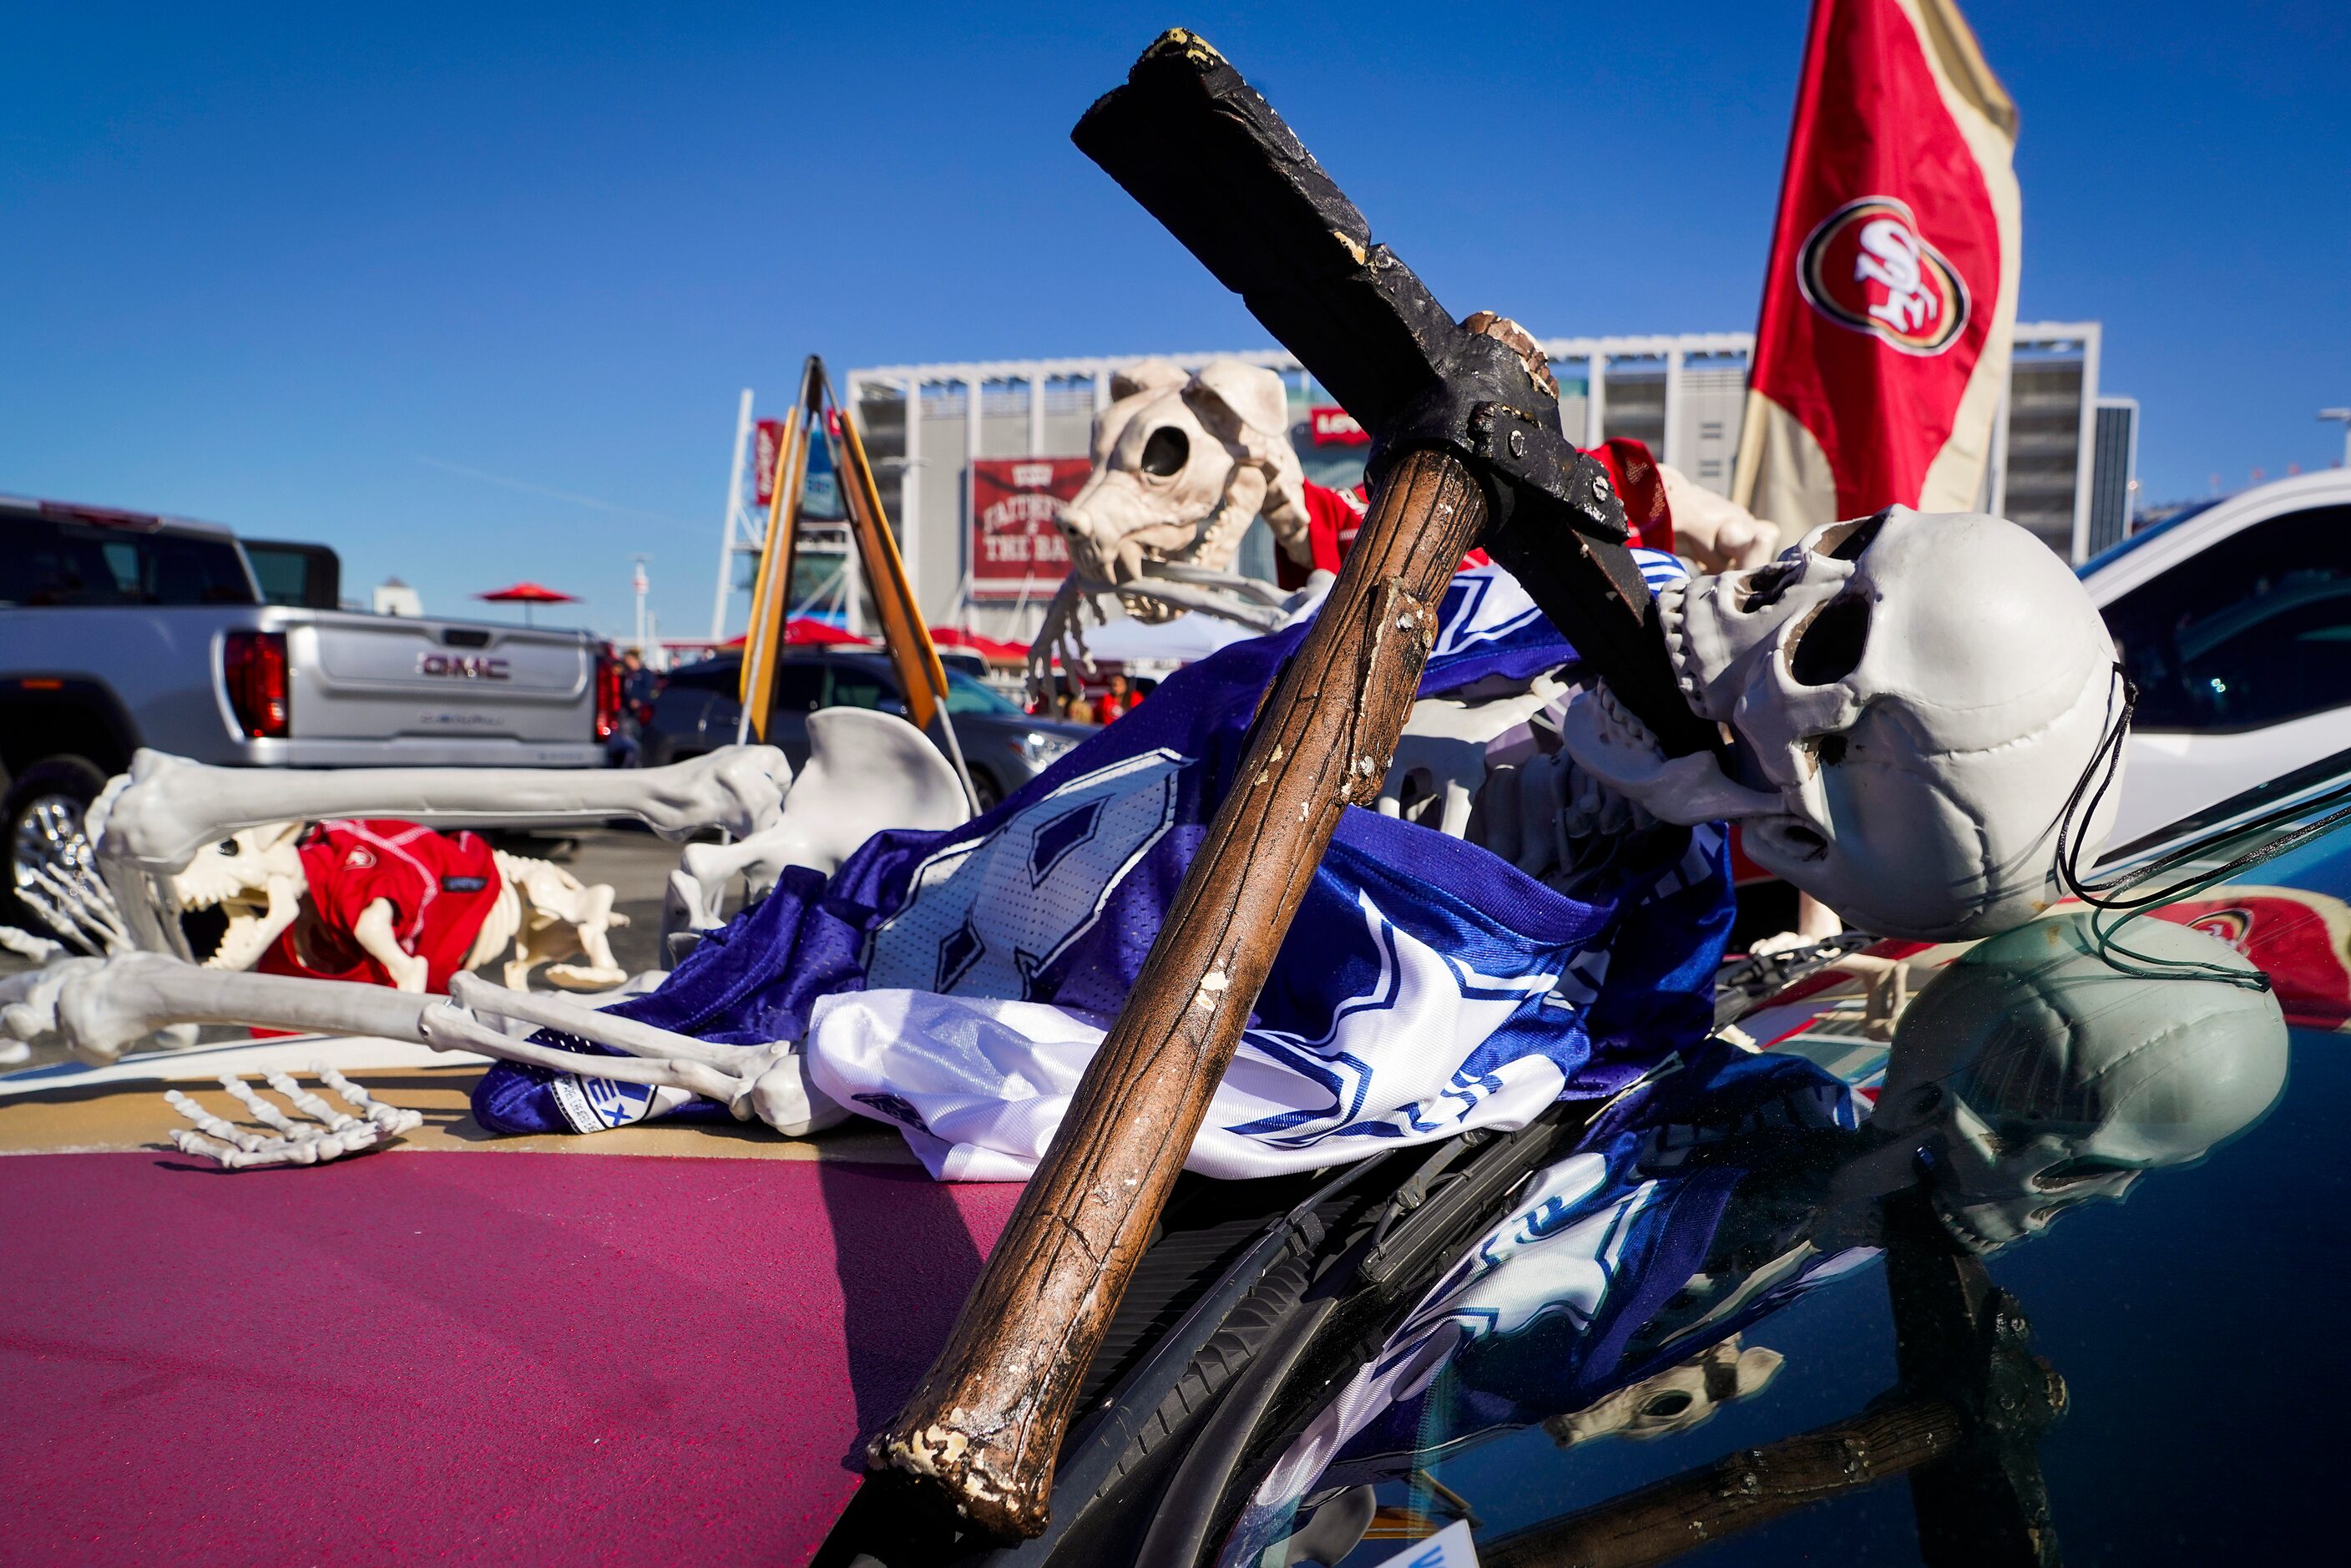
(1865, 266)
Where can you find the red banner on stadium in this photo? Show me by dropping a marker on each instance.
(1335, 426)
(767, 448)
(1016, 508)
(1883, 346)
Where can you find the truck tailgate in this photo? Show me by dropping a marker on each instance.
(377, 676)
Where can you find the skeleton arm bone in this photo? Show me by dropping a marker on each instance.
(155, 818)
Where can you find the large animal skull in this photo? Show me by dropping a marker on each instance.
(1913, 699)
(256, 878)
(2037, 1074)
(1182, 464)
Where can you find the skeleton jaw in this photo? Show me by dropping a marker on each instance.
(252, 927)
(1615, 747)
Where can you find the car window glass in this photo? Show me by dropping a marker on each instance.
(967, 696)
(855, 686)
(62, 562)
(2255, 630)
(121, 558)
(705, 678)
(34, 566)
(799, 688)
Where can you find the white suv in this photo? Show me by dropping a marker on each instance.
(2234, 621)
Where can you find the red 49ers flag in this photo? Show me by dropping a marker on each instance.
(1891, 299)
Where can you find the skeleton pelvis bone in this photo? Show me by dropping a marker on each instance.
(866, 772)
(258, 878)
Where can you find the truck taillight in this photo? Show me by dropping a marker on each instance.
(253, 664)
(608, 696)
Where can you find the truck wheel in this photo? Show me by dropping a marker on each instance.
(41, 826)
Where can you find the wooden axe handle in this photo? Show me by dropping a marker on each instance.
(983, 1430)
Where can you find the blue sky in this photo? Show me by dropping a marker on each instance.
(468, 292)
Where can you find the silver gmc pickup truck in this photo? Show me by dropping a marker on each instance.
(119, 630)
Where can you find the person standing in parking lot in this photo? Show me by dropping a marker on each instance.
(639, 686)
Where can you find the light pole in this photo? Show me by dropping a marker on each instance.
(637, 582)
(2343, 414)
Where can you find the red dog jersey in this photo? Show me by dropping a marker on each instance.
(440, 887)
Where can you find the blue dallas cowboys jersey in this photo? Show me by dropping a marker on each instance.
(953, 984)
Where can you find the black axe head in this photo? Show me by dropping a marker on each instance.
(1209, 158)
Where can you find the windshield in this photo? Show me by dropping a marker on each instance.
(2115, 552)
(966, 695)
(1758, 1283)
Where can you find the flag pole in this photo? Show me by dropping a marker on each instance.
(727, 526)
(915, 657)
(771, 591)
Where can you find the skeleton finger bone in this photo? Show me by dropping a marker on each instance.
(156, 817)
(331, 1135)
(866, 772)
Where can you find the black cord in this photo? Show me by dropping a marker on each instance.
(2104, 898)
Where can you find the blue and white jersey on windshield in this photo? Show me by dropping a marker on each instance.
(955, 984)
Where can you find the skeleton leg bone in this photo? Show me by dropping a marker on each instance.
(155, 818)
(768, 1084)
(103, 1006)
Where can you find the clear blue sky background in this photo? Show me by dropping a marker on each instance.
(316, 271)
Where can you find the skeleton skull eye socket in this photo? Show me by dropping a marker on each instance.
(1165, 453)
(1829, 647)
(225, 847)
(1671, 1402)
(1847, 540)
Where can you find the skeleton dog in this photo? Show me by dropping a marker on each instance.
(414, 905)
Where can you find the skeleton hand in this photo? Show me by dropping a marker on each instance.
(1062, 633)
(329, 1136)
(78, 906)
(1441, 758)
(1551, 819)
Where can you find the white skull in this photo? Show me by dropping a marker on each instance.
(256, 878)
(1914, 698)
(2037, 1074)
(1182, 466)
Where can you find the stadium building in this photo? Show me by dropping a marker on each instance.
(984, 436)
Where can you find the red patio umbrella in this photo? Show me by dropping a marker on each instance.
(809, 629)
(527, 594)
(806, 629)
(992, 649)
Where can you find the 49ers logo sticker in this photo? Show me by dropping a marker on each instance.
(1865, 266)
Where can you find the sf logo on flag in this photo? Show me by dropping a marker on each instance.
(1867, 267)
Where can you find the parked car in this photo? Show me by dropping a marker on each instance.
(2234, 619)
(698, 711)
(120, 630)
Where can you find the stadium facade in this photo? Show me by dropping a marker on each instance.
(2063, 462)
